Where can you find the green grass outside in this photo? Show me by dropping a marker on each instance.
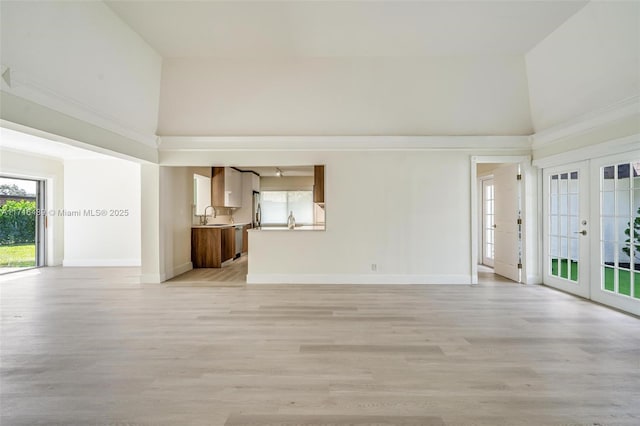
(624, 277)
(564, 269)
(18, 256)
(624, 281)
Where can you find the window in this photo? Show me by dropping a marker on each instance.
(276, 205)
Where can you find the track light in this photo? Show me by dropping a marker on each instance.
(279, 172)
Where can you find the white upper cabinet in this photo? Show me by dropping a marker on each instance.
(226, 187)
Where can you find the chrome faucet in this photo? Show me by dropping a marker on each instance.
(205, 220)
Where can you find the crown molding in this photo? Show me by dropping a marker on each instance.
(590, 121)
(31, 89)
(343, 143)
(625, 144)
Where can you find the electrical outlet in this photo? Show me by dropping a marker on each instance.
(374, 267)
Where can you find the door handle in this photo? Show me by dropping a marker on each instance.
(583, 232)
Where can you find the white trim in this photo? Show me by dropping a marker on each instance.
(100, 262)
(603, 149)
(177, 270)
(28, 88)
(343, 143)
(357, 279)
(584, 123)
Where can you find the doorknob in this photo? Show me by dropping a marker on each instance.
(583, 232)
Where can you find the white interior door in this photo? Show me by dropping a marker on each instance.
(566, 228)
(507, 210)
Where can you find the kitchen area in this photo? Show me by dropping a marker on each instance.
(231, 202)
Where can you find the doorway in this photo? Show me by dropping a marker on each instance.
(592, 229)
(21, 224)
(499, 204)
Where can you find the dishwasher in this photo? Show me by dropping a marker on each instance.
(239, 230)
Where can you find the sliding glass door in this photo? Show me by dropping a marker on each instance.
(21, 227)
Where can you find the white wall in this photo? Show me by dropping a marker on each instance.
(590, 62)
(345, 96)
(175, 208)
(388, 208)
(79, 58)
(109, 185)
(52, 171)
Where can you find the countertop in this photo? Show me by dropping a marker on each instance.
(220, 225)
(284, 228)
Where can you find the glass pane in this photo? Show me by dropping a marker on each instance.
(563, 225)
(574, 270)
(636, 289)
(574, 249)
(573, 225)
(563, 202)
(624, 284)
(608, 229)
(553, 221)
(622, 228)
(608, 253)
(623, 256)
(608, 175)
(553, 189)
(623, 203)
(564, 186)
(573, 184)
(623, 181)
(554, 249)
(573, 204)
(553, 201)
(554, 267)
(564, 268)
(609, 279)
(608, 203)
(564, 247)
(18, 230)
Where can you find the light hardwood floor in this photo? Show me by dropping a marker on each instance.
(93, 347)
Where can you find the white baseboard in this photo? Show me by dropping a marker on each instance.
(100, 262)
(356, 279)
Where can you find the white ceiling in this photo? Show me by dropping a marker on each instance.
(217, 29)
(22, 142)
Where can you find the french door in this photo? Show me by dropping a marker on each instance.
(592, 229)
(566, 224)
(615, 267)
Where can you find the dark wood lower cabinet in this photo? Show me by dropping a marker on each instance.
(206, 244)
(228, 243)
(210, 247)
(245, 238)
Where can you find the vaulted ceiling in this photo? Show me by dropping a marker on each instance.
(215, 29)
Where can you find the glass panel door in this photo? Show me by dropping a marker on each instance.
(488, 222)
(19, 224)
(566, 222)
(616, 266)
